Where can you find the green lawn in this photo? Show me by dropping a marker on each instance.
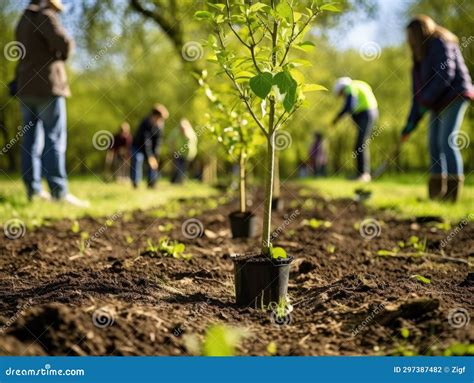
(405, 195)
(105, 198)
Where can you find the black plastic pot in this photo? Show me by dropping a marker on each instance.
(277, 204)
(260, 280)
(243, 225)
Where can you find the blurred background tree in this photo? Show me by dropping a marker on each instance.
(130, 54)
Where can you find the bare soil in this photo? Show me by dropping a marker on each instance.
(114, 300)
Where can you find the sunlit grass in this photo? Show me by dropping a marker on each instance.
(405, 195)
(105, 198)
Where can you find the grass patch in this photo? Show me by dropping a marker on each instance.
(105, 198)
(405, 195)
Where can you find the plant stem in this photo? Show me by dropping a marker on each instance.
(276, 177)
(243, 198)
(267, 208)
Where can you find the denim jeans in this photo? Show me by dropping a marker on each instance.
(365, 122)
(43, 150)
(136, 168)
(443, 131)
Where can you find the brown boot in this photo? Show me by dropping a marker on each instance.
(437, 186)
(454, 187)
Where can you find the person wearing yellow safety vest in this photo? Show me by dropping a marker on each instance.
(361, 103)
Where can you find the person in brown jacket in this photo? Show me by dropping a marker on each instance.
(42, 88)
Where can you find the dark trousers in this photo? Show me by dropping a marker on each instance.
(179, 171)
(136, 168)
(365, 122)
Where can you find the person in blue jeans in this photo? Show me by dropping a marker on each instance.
(146, 146)
(42, 87)
(443, 87)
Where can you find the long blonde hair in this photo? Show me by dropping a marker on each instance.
(421, 30)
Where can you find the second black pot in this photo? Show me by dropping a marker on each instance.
(243, 225)
(260, 280)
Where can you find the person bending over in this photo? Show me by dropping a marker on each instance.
(361, 103)
(146, 145)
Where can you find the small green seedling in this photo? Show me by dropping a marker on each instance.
(421, 278)
(129, 239)
(278, 252)
(219, 340)
(316, 223)
(75, 227)
(405, 333)
(166, 227)
(167, 248)
(83, 241)
(331, 249)
(272, 348)
(388, 253)
(417, 244)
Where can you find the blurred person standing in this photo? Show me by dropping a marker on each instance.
(119, 153)
(146, 145)
(42, 88)
(317, 156)
(184, 142)
(360, 102)
(443, 87)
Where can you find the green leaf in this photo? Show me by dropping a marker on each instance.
(278, 253)
(261, 84)
(386, 253)
(306, 46)
(405, 332)
(257, 7)
(203, 15)
(287, 86)
(421, 278)
(329, 8)
(221, 341)
(313, 88)
(219, 7)
(284, 10)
